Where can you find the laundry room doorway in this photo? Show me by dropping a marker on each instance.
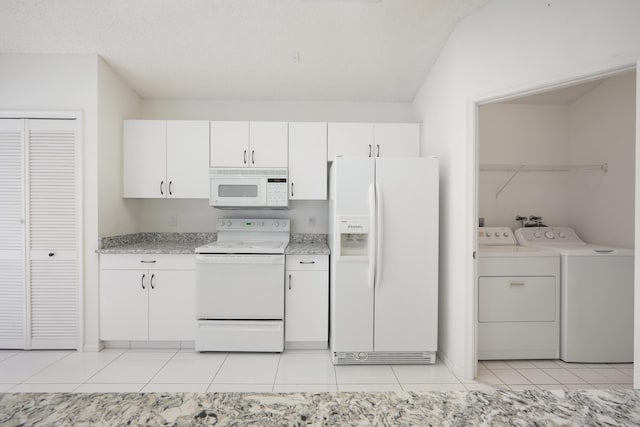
(559, 155)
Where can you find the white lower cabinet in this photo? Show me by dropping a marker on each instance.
(147, 298)
(307, 302)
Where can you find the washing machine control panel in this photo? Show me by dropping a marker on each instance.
(547, 235)
(496, 236)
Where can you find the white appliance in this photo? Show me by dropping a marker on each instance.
(240, 286)
(518, 298)
(596, 294)
(384, 260)
(248, 188)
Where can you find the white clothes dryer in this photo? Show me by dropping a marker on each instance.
(518, 298)
(596, 295)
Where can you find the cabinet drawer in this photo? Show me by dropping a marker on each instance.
(147, 261)
(307, 262)
(517, 299)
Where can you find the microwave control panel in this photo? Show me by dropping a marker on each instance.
(277, 192)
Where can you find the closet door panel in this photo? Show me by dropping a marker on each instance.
(12, 235)
(52, 233)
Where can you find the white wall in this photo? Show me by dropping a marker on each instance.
(116, 101)
(290, 111)
(523, 134)
(63, 82)
(506, 47)
(196, 215)
(602, 130)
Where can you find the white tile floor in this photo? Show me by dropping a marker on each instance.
(292, 371)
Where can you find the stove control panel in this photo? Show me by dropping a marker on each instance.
(547, 235)
(251, 224)
(496, 236)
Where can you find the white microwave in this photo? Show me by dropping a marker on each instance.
(240, 188)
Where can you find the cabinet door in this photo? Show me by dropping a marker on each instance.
(229, 144)
(172, 305)
(187, 159)
(307, 306)
(12, 235)
(268, 143)
(124, 305)
(397, 139)
(53, 238)
(307, 161)
(349, 140)
(145, 158)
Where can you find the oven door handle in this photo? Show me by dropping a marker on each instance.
(239, 259)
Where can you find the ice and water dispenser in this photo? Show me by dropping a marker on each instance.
(354, 237)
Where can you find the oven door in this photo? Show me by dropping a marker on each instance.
(233, 286)
(238, 191)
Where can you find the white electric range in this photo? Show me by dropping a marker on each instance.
(518, 298)
(240, 286)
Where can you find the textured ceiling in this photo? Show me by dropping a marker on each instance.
(349, 50)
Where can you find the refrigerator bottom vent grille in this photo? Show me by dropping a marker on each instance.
(384, 358)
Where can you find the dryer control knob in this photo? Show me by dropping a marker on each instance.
(537, 235)
(561, 235)
(505, 234)
(497, 234)
(549, 235)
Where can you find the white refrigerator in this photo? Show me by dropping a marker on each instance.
(383, 237)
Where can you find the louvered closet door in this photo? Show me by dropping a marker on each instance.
(52, 234)
(12, 235)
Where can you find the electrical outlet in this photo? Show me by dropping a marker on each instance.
(173, 220)
(312, 221)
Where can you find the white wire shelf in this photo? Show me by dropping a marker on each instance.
(517, 168)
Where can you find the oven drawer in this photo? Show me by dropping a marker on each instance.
(240, 287)
(238, 335)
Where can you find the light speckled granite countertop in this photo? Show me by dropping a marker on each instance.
(186, 243)
(154, 243)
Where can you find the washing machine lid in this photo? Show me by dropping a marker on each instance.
(589, 250)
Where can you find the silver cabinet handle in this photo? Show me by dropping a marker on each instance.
(369, 150)
(307, 262)
(148, 262)
(289, 282)
(162, 187)
(151, 281)
(253, 159)
(170, 192)
(245, 157)
(378, 147)
(291, 189)
(142, 281)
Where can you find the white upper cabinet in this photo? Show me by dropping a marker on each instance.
(396, 139)
(166, 159)
(187, 164)
(307, 161)
(249, 144)
(145, 158)
(349, 140)
(373, 140)
(229, 144)
(268, 143)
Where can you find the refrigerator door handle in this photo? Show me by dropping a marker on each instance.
(372, 236)
(379, 234)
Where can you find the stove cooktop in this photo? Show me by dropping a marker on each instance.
(243, 247)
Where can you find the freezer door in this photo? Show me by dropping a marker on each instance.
(406, 288)
(351, 295)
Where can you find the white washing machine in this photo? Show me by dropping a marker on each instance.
(518, 298)
(596, 294)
